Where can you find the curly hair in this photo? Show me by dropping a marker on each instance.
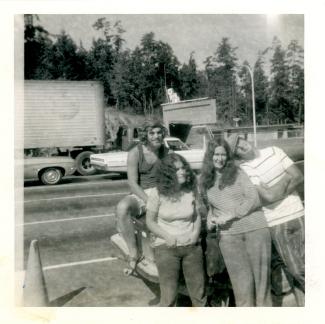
(150, 123)
(208, 174)
(167, 184)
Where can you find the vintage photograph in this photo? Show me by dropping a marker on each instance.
(161, 160)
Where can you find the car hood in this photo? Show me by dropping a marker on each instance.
(112, 156)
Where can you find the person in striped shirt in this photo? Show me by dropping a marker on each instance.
(276, 179)
(245, 241)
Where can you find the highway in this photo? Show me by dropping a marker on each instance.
(73, 222)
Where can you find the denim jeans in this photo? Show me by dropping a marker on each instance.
(248, 260)
(169, 262)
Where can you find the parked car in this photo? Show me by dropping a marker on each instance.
(49, 170)
(117, 161)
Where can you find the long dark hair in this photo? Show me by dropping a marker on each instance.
(208, 174)
(166, 178)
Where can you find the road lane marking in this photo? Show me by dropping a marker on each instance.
(74, 197)
(73, 184)
(65, 219)
(71, 264)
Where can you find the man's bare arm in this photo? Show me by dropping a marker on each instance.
(296, 178)
(289, 182)
(133, 171)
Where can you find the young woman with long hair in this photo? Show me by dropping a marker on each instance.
(173, 219)
(234, 209)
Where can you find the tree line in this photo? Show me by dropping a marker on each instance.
(135, 81)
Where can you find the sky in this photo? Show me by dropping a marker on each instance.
(200, 34)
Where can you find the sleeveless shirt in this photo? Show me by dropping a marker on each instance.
(147, 171)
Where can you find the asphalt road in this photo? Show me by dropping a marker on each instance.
(73, 223)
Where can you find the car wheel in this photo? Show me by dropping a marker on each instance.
(83, 164)
(51, 176)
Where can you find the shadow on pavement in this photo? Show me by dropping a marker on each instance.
(154, 288)
(61, 301)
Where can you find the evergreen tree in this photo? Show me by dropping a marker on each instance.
(153, 64)
(203, 84)
(261, 85)
(295, 63)
(189, 82)
(121, 86)
(244, 110)
(221, 73)
(61, 60)
(280, 105)
(104, 54)
(81, 63)
(137, 80)
(36, 44)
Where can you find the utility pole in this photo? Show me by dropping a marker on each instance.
(253, 102)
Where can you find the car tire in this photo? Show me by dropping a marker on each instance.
(83, 164)
(51, 176)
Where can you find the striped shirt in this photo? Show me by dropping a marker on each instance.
(242, 200)
(269, 167)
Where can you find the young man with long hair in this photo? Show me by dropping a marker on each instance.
(141, 170)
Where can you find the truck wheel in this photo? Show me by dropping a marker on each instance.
(51, 176)
(83, 164)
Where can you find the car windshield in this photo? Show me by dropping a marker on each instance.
(195, 137)
(177, 145)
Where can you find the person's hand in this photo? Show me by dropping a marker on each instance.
(211, 221)
(222, 217)
(171, 241)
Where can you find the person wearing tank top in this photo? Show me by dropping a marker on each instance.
(147, 170)
(141, 165)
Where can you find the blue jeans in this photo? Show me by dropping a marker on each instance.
(248, 260)
(169, 262)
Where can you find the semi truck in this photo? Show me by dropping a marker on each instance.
(68, 117)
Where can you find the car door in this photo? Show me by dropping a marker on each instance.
(30, 168)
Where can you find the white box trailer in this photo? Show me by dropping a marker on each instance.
(67, 115)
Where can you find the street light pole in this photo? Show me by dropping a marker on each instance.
(253, 102)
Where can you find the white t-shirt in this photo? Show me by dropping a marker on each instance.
(174, 216)
(269, 167)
